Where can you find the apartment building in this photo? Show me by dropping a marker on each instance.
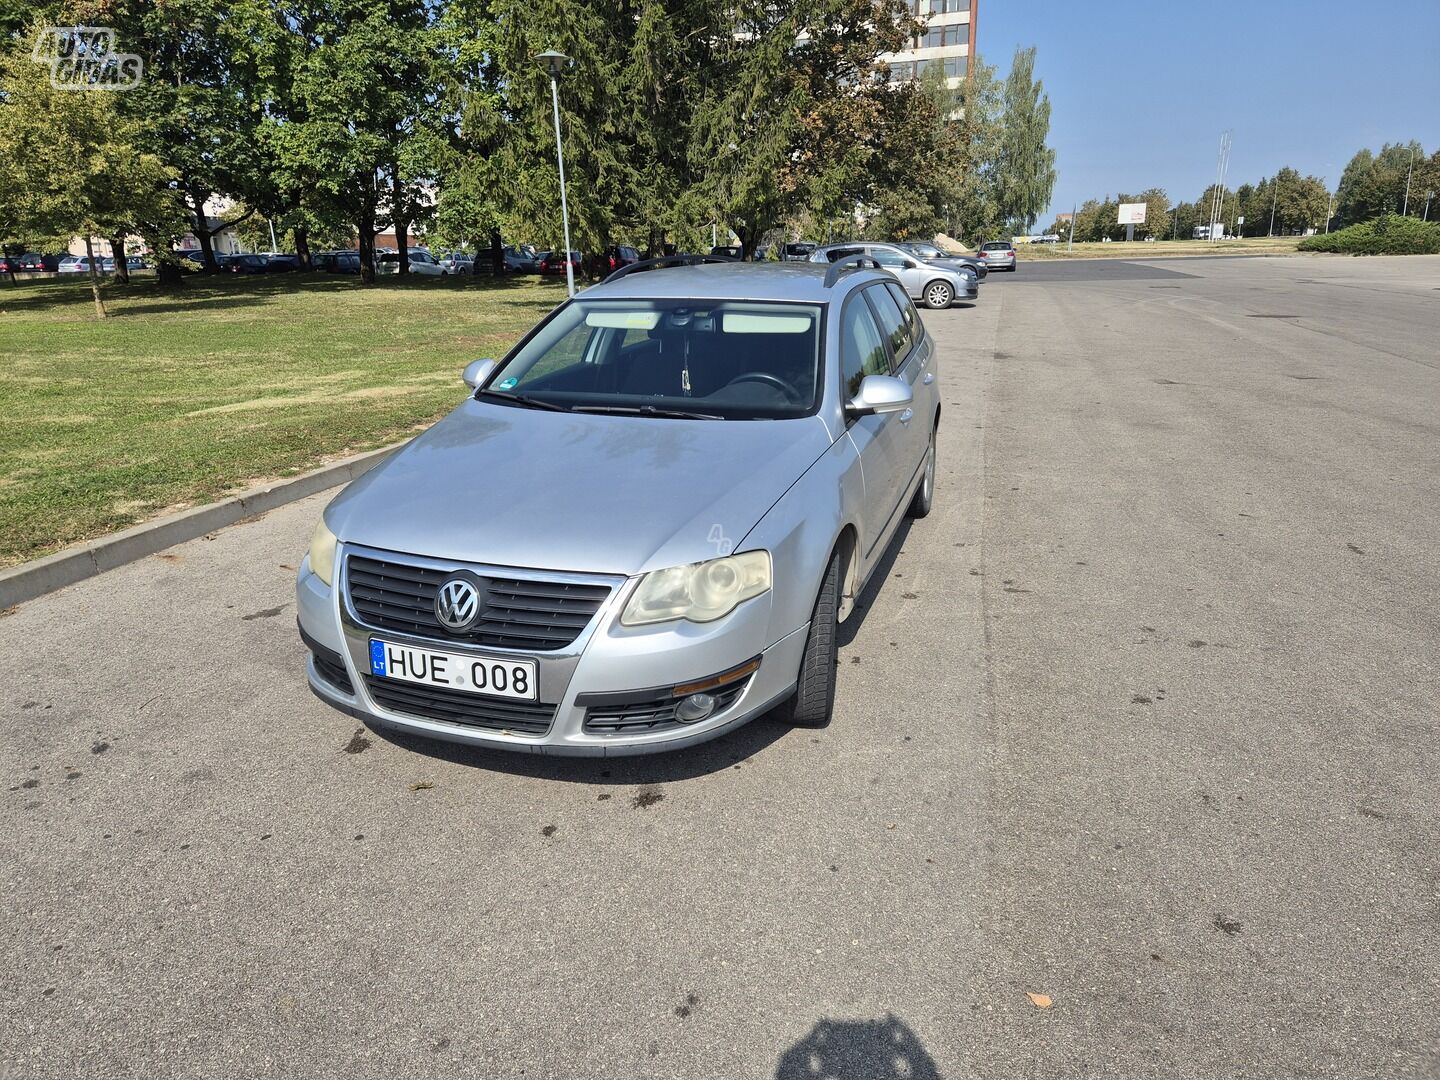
(948, 41)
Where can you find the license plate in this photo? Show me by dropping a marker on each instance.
(489, 676)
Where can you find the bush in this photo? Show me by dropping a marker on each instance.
(1388, 235)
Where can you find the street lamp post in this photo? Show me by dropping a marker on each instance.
(1428, 196)
(555, 63)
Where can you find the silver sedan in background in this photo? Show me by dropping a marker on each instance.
(643, 526)
(933, 284)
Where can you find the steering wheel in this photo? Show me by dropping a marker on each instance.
(791, 394)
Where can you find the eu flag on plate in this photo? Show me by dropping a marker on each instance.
(377, 657)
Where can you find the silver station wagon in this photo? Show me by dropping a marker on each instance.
(642, 527)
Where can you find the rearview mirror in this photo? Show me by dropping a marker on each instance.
(880, 394)
(477, 371)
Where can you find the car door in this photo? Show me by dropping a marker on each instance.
(910, 351)
(878, 439)
(918, 369)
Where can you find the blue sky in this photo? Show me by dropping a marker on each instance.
(1140, 91)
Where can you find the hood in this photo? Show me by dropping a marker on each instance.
(570, 491)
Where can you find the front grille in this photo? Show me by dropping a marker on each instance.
(458, 707)
(515, 613)
(656, 714)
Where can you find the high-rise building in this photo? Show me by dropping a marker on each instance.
(948, 41)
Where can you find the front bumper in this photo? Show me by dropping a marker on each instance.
(607, 661)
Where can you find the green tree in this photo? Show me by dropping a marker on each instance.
(1024, 172)
(974, 213)
(85, 170)
(1374, 184)
(352, 89)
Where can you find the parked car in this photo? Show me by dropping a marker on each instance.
(521, 259)
(337, 262)
(613, 258)
(936, 285)
(136, 262)
(999, 254)
(279, 262)
(933, 253)
(456, 262)
(12, 264)
(702, 467)
(36, 263)
(554, 263)
(245, 264)
(422, 263)
(728, 251)
(799, 251)
(79, 264)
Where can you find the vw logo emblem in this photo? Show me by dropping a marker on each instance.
(457, 604)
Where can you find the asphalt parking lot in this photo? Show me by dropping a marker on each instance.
(1142, 719)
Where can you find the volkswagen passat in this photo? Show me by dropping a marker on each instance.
(643, 526)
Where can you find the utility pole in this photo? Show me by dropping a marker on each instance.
(1070, 245)
(1428, 196)
(1408, 173)
(1274, 194)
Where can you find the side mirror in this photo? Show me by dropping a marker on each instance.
(909, 265)
(477, 371)
(880, 394)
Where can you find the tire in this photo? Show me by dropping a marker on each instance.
(925, 495)
(814, 697)
(938, 295)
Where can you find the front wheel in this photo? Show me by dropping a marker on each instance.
(939, 295)
(814, 697)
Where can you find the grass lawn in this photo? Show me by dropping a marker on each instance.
(180, 398)
(1139, 249)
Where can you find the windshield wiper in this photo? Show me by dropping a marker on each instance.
(521, 399)
(646, 410)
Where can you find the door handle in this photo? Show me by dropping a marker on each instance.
(929, 378)
(907, 416)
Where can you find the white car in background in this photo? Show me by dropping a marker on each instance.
(421, 262)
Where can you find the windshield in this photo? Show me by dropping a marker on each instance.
(711, 359)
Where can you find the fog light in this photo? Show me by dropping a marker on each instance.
(695, 707)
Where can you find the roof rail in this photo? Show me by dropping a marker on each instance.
(848, 263)
(663, 261)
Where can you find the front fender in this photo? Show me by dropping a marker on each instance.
(800, 532)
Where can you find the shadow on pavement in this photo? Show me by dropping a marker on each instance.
(884, 571)
(667, 767)
(858, 1050)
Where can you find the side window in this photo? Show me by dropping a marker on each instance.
(892, 323)
(913, 324)
(862, 348)
(891, 260)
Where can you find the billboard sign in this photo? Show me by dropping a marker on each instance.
(1132, 213)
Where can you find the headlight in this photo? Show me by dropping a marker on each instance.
(322, 552)
(700, 592)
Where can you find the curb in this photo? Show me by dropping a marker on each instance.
(30, 580)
